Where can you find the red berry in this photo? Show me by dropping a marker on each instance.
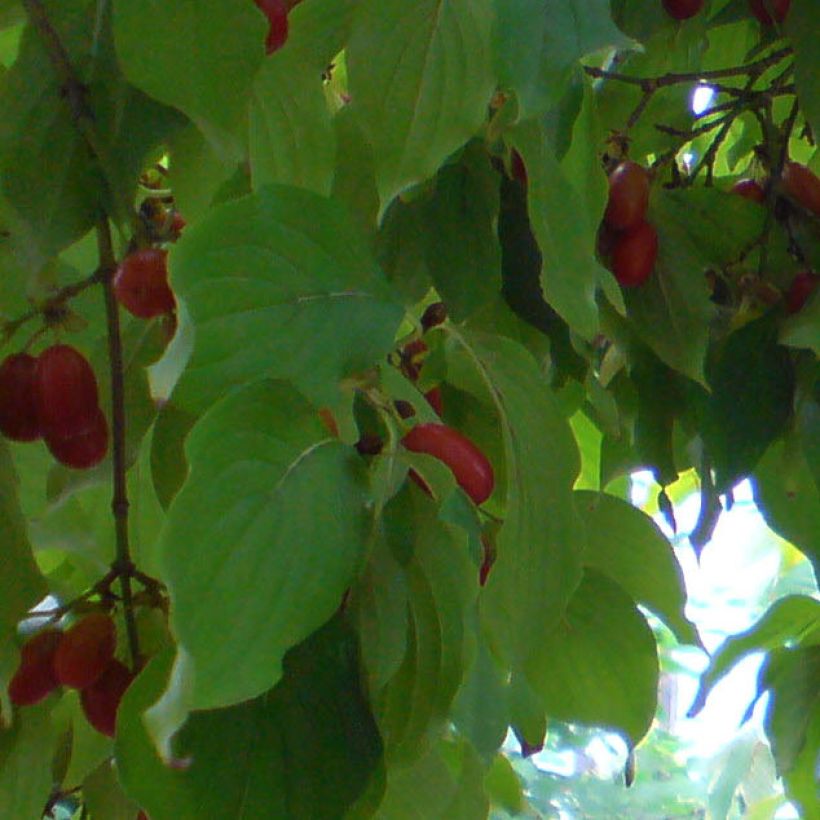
(802, 286)
(634, 255)
(85, 651)
(65, 392)
(84, 449)
(277, 13)
(519, 170)
(763, 10)
(628, 196)
(177, 224)
(18, 405)
(749, 189)
(433, 315)
(35, 678)
(434, 399)
(802, 185)
(101, 700)
(141, 284)
(469, 465)
(682, 9)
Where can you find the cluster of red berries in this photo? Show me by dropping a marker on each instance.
(762, 9)
(54, 397)
(631, 242)
(82, 658)
(802, 187)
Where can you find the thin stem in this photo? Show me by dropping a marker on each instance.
(123, 564)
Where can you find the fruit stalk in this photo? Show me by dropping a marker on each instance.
(119, 502)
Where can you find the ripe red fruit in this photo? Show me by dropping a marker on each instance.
(85, 651)
(18, 406)
(469, 465)
(141, 284)
(101, 700)
(177, 224)
(802, 286)
(682, 9)
(434, 399)
(634, 255)
(433, 315)
(749, 189)
(763, 10)
(802, 185)
(84, 449)
(65, 392)
(628, 196)
(35, 678)
(277, 13)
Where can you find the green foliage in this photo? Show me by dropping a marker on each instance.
(296, 592)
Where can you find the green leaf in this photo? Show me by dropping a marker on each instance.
(794, 619)
(565, 232)
(801, 27)
(448, 782)
(288, 270)
(25, 762)
(266, 535)
(202, 59)
(801, 779)
(503, 785)
(536, 46)
(308, 748)
(21, 584)
(751, 400)
(539, 545)
(104, 797)
(423, 77)
(599, 665)
(292, 141)
(319, 30)
(626, 545)
(803, 329)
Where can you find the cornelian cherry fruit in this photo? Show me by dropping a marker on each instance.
(802, 185)
(85, 448)
(801, 288)
(101, 700)
(634, 255)
(18, 405)
(764, 9)
(435, 400)
(469, 466)
(749, 189)
(628, 196)
(85, 651)
(65, 392)
(682, 9)
(35, 678)
(141, 284)
(277, 13)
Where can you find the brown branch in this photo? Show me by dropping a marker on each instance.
(123, 565)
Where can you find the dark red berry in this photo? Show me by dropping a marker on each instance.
(18, 404)
(101, 700)
(404, 408)
(519, 170)
(682, 9)
(634, 255)
(801, 288)
(85, 651)
(434, 399)
(628, 196)
(764, 9)
(749, 189)
(84, 449)
(65, 392)
(802, 185)
(35, 678)
(141, 284)
(277, 13)
(433, 315)
(470, 467)
(369, 445)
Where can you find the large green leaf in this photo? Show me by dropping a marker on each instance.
(565, 232)
(794, 619)
(599, 665)
(536, 45)
(25, 763)
(801, 26)
(422, 75)
(318, 30)
(292, 141)
(21, 584)
(266, 536)
(626, 545)
(280, 284)
(307, 749)
(539, 546)
(202, 59)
